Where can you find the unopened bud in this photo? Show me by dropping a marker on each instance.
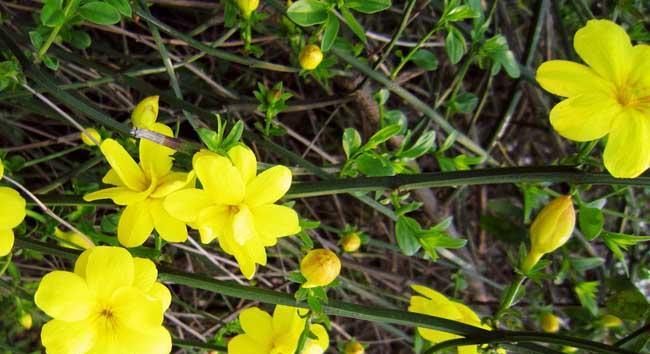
(310, 57)
(551, 229)
(351, 242)
(320, 267)
(25, 320)
(90, 132)
(145, 113)
(550, 323)
(611, 321)
(354, 347)
(247, 7)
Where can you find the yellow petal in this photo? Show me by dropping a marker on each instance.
(155, 159)
(320, 345)
(167, 226)
(160, 292)
(220, 179)
(6, 241)
(246, 344)
(269, 186)
(566, 78)
(244, 259)
(186, 204)
(273, 221)
(2, 169)
(144, 274)
(135, 309)
(258, 324)
(243, 226)
(173, 182)
(60, 337)
(429, 293)
(12, 208)
(640, 67)
(119, 195)
(245, 161)
(605, 46)
(64, 296)
(468, 316)
(111, 177)
(82, 263)
(627, 153)
(123, 339)
(124, 165)
(584, 117)
(212, 223)
(108, 269)
(287, 327)
(135, 224)
(468, 349)
(145, 112)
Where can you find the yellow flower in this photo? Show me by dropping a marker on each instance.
(144, 115)
(12, 213)
(247, 7)
(568, 349)
(611, 321)
(351, 242)
(320, 267)
(71, 239)
(608, 96)
(551, 229)
(2, 169)
(92, 132)
(25, 320)
(433, 303)
(550, 323)
(142, 187)
(279, 334)
(110, 304)
(354, 347)
(236, 206)
(310, 57)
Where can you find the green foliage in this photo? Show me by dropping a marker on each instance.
(272, 102)
(215, 140)
(587, 294)
(410, 237)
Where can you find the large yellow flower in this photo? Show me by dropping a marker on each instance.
(236, 206)
(12, 213)
(111, 304)
(608, 96)
(433, 303)
(279, 334)
(142, 187)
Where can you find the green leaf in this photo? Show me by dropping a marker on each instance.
(423, 145)
(465, 102)
(382, 135)
(425, 60)
(122, 6)
(629, 304)
(618, 243)
(354, 25)
(368, 6)
(100, 13)
(210, 138)
(308, 12)
(373, 165)
(234, 135)
(406, 233)
(52, 16)
(331, 28)
(351, 142)
(455, 45)
(591, 221)
(460, 13)
(586, 292)
(582, 265)
(79, 39)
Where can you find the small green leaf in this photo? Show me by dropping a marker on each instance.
(455, 45)
(331, 31)
(122, 6)
(586, 292)
(52, 16)
(373, 165)
(591, 221)
(424, 143)
(465, 102)
(460, 13)
(382, 135)
(406, 233)
(354, 25)
(100, 13)
(79, 39)
(351, 142)
(308, 12)
(368, 6)
(425, 59)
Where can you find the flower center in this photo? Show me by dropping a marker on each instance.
(233, 209)
(107, 317)
(633, 96)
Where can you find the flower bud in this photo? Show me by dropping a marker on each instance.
(71, 239)
(550, 323)
(25, 320)
(310, 57)
(247, 7)
(145, 113)
(351, 242)
(353, 347)
(86, 138)
(551, 229)
(320, 267)
(2, 169)
(568, 349)
(611, 321)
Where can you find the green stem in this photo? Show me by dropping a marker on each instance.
(510, 295)
(413, 50)
(343, 309)
(50, 39)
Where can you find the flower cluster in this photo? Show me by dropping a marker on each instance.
(111, 303)
(279, 334)
(608, 96)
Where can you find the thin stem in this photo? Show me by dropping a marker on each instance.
(417, 47)
(510, 295)
(50, 39)
(397, 34)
